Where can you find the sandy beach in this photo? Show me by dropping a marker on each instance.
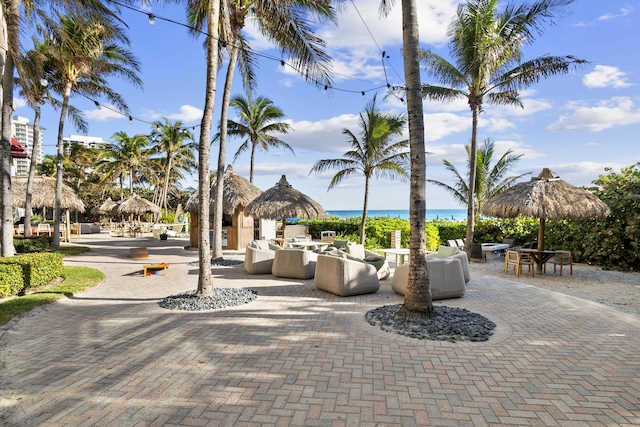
(615, 289)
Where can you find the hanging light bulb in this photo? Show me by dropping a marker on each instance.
(44, 82)
(97, 104)
(152, 19)
(364, 95)
(130, 120)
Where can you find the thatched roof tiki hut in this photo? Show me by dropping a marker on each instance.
(546, 197)
(238, 226)
(284, 201)
(44, 196)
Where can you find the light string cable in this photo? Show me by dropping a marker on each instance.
(383, 54)
(153, 17)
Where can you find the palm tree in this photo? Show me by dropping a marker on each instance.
(372, 154)
(257, 122)
(126, 156)
(10, 16)
(486, 48)
(211, 13)
(286, 23)
(84, 52)
(417, 297)
(177, 146)
(490, 180)
(34, 89)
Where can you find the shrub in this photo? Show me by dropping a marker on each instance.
(11, 279)
(37, 269)
(24, 245)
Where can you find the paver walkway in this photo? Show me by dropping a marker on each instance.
(297, 356)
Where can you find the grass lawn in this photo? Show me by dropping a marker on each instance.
(76, 280)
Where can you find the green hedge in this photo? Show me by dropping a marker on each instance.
(37, 269)
(11, 279)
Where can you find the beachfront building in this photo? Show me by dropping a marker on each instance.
(22, 132)
(86, 141)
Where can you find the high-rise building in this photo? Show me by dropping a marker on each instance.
(22, 131)
(87, 141)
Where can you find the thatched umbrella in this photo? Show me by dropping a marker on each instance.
(136, 205)
(283, 201)
(44, 194)
(105, 208)
(236, 191)
(546, 197)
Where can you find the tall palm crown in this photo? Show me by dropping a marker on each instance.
(373, 152)
(257, 122)
(177, 147)
(486, 48)
(83, 52)
(126, 155)
(287, 24)
(491, 180)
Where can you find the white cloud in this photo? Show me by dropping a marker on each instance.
(605, 76)
(618, 111)
(624, 11)
(582, 174)
(439, 125)
(19, 103)
(104, 113)
(188, 113)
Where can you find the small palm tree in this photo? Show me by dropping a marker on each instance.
(177, 146)
(490, 180)
(372, 154)
(257, 123)
(125, 157)
(486, 48)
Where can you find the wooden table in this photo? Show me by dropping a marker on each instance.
(540, 257)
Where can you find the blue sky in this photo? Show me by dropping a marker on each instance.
(576, 124)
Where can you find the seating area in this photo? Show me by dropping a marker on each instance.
(448, 270)
(346, 268)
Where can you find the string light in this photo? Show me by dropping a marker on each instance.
(152, 19)
(97, 104)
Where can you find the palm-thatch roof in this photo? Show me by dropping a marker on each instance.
(44, 194)
(546, 197)
(237, 191)
(136, 205)
(283, 201)
(105, 208)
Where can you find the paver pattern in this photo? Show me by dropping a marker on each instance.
(298, 356)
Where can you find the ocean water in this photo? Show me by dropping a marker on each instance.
(432, 214)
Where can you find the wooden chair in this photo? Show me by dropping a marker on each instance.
(561, 258)
(518, 260)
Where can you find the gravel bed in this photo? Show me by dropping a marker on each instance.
(448, 324)
(221, 298)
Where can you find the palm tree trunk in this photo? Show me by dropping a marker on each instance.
(165, 187)
(32, 171)
(222, 150)
(471, 216)
(12, 16)
(205, 284)
(253, 156)
(363, 223)
(57, 210)
(418, 293)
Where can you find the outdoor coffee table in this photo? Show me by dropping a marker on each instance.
(398, 252)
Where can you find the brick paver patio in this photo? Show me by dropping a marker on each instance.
(297, 356)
